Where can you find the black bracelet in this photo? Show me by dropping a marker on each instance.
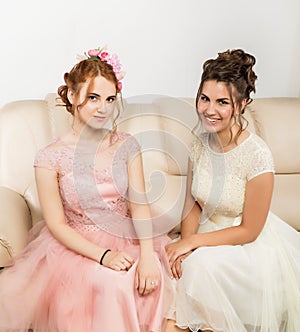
(101, 259)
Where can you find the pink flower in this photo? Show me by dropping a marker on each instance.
(103, 55)
(120, 86)
(93, 52)
(112, 59)
(115, 63)
(120, 75)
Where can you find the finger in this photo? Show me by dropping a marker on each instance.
(151, 285)
(119, 266)
(130, 262)
(142, 285)
(129, 259)
(171, 255)
(124, 267)
(136, 280)
(126, 260)
(148, 287)
(125, 264)
(154, 284)
(172, 259)
(174, 271)
(115, 267)
(178, 268)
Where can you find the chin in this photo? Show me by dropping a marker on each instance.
(97, 124)
(210, 129)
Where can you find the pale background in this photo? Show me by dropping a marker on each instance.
(162, 43)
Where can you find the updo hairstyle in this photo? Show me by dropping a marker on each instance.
(235, 69)
(85, 70)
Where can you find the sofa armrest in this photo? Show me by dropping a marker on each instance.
(15, 222)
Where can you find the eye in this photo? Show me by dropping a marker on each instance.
(111, 99)
(93, 98)
(223, 102)
(203, 98)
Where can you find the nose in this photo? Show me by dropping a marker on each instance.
(101, 107)
(210, 110)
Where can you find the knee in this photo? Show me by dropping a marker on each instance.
(203, 261)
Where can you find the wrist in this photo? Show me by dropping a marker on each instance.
(194, 241)
(146, 247)
(147, 254)
(103, 255)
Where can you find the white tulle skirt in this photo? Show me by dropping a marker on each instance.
(244, 288)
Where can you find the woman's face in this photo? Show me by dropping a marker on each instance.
(96, 102)
(215, 107)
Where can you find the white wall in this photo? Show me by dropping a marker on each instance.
(161, 43)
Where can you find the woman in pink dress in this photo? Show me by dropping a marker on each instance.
(93, 264)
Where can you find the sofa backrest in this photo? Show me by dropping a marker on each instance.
(277, 122)
(163, 126)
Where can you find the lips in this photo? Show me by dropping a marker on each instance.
(211, 120)
(99, 118)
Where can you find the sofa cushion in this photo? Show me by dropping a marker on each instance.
(179, 119)
(142, 121)
(286, 198)
(278, 124)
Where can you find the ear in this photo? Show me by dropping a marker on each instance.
(71, 96)
(243, 105)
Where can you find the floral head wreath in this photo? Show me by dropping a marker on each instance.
(112, 59)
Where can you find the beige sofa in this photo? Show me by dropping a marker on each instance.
(163, 126)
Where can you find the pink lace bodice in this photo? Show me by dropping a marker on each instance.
(93, 182)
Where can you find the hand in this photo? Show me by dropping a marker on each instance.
(117, 260)
(147, 276)
(176, 267)
(176, 249)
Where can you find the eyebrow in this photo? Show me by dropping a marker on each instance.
(219, 99)
(97, 95)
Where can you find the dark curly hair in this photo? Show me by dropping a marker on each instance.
(235, 69)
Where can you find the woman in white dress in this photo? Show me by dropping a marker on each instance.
(237, 265)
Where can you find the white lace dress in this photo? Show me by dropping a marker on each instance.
(253, 287)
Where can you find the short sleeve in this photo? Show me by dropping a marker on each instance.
(132, 146)
(45, 159)
(196, 149)
(261, 162)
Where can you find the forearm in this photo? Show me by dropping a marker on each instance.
(190, 223)
(76, 242)
(235, 235)
(142, 221)
(146, 247)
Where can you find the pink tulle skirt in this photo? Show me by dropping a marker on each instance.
(50, 288)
